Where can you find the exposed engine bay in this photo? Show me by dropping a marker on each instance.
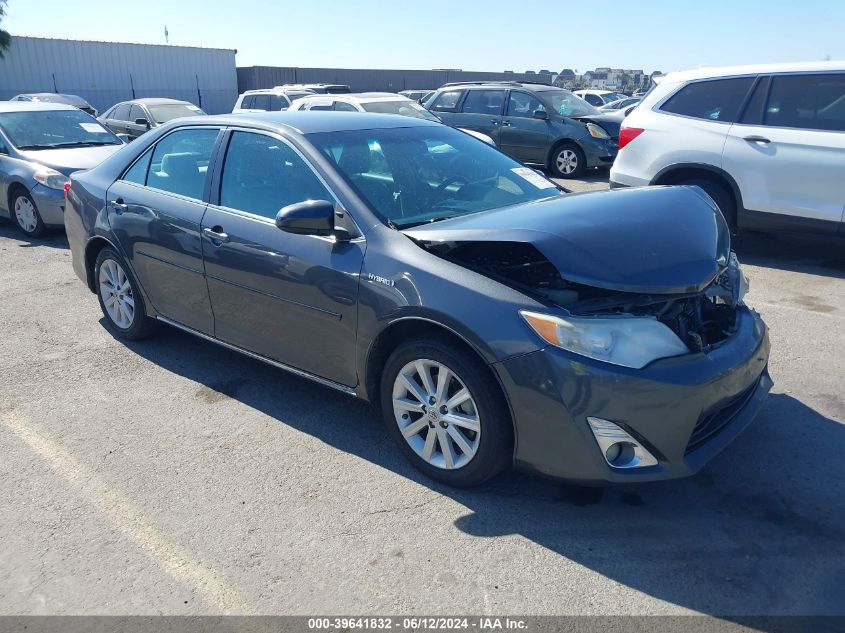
(700, 320)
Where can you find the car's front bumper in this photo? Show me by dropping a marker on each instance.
(553, 392)
(600, 152)
(50, 204)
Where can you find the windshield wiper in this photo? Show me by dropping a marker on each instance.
(81, 144)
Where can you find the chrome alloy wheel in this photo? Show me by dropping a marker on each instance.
(436, 414)
(116, 293)
(26, 214)
(567, 161)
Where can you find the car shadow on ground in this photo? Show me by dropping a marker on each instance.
(759, 531)
(53, 239)
(803, 253)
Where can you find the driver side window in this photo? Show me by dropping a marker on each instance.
(522, 104)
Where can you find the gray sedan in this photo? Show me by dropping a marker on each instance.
(41, 144)
(492, 318)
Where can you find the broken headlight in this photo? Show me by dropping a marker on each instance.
(626, 341)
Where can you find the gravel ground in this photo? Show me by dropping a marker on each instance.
(172, 476)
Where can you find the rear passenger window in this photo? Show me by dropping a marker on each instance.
(262, 174)
(484, 102)
(121, 112)
(180, 162)
(138, 172)
(447, 101)
(713, 100)
(814, 102)
(278, 103)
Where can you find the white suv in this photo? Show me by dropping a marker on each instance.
(268, 99)
(767, 143)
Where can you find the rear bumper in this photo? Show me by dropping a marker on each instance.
(50, 204)
(715, 395)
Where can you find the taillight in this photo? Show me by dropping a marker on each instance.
(67, 188)
(628, 134)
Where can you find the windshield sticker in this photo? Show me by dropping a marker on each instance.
(94, 128)
(533, 177)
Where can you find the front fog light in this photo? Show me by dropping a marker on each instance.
(620, 450)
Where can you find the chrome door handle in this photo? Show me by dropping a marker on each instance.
(119, 206)
(506, 124)
(494, 121)
(216, 235)
(756, 139)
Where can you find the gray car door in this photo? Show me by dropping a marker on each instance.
(292, 298)
(155, 210)
(523, 136)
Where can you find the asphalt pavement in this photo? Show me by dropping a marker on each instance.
(173, 476)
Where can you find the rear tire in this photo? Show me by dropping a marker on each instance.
(721, 196)
(457, 430)
(25, 214)
(568, 161)
(120, 298)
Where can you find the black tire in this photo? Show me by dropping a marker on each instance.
(22, 195)
(576, 154)
(494, 452)
(721, 196)
(141, 325)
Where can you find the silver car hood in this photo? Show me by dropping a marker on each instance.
(71, 159)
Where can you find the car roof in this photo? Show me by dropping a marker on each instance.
(54, 95)
(528, 85)
(361, 97)
(148, 101)
(312, 122)
(708, 72)
(33, 106)
(277, 91)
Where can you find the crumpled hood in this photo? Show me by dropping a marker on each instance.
(655, 240)
(72, 159)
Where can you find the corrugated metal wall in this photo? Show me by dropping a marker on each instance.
(104, 73)
(361, 80)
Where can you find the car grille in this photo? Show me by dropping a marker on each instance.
(716, 419)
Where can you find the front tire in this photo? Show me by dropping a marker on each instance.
(568, 161)
(25, 214)
(446, 412)
(120, 299)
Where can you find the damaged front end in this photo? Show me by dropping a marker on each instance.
(600, 318)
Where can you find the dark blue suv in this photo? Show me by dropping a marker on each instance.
(533, 123)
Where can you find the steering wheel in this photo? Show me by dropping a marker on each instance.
(442, 186)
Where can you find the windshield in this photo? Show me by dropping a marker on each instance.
(567, 104)
(48, 129)
(405, 108)
(163, 113)
(416, 175)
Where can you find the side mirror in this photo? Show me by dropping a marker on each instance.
(142, 122)
(540, 114)
(312, 217)
(123, 137)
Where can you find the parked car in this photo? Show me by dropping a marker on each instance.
(54, 97)
(533, 123)
(415, 95)
(268, 99)
(599, 98)
(767, 143)
(134, 118)
(331, 89)
(378, 102)
(41, 144)
(495, 321)
(619, 104)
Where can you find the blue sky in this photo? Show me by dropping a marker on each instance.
(472, 35)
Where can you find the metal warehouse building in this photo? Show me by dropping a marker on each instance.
(104, 73)
(363, 80)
